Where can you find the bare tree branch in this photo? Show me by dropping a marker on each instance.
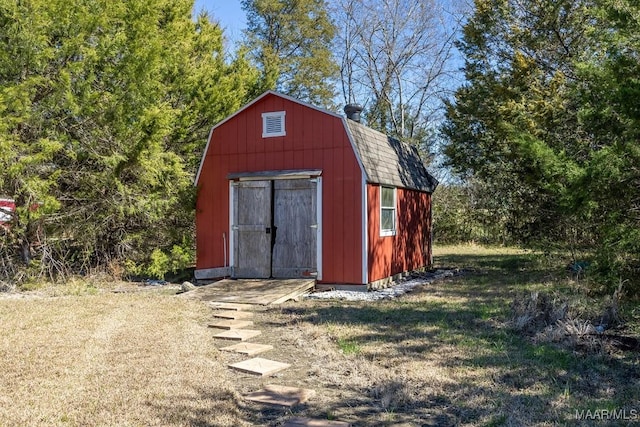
(396, 56)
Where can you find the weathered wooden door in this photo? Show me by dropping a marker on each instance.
(294, 219)
(252, 229)
(275, 230)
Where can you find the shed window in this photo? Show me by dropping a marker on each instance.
(273, 124)
(387, 211)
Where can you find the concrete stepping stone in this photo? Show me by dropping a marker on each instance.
(281, 395)
(231, 324)
(232, 314)
(308, 422)
(237, 334)
(259, 366)
(231, 306)
(248, 348)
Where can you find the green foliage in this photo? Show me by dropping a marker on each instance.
(548, 120)
(348, 347)
(106, 106)
(512, 125)
(461, 214)
(290, 42)
(178, 258)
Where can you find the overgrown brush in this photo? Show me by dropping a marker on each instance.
(550, 319)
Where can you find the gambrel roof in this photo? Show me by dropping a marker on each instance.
(385, 160)
(388, 161)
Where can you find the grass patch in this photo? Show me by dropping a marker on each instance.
(111, 359)
(348, 347)
(443, 354)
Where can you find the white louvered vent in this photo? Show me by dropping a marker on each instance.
(273, 124)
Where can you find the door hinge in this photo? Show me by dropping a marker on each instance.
(314, 226)
(235, 227)
(313, 180)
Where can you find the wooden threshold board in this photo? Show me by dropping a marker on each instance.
(247, 294)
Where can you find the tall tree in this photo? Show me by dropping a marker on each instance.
(396, 58)
(105, 108)
(514, 124)
(547, 120)
(607, 92)
(290, 40)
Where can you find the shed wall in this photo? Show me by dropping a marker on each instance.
(313, 140)
(410, 248)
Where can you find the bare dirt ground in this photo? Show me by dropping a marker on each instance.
(441, 355)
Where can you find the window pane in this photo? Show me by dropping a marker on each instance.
(387, 197)
(388, 219)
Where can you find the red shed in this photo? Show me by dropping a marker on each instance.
(287, 190)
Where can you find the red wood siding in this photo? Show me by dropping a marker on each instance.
(314, 140)
(409, 249)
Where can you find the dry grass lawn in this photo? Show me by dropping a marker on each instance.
(439, 356)
(111, 360)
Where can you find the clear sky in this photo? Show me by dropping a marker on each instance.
(228, 13)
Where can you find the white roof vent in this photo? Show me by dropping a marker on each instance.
(273, 124)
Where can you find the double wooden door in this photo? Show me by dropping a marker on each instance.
(275, 228)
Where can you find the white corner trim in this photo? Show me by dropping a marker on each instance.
(365, 215)
(232, 235)
(365, 231)
(319, 231)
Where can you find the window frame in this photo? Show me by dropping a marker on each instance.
(274, 114)
(384, 232)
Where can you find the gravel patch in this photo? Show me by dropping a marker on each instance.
(395, 290)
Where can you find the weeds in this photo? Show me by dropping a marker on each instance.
(348, 347)
(549, 319)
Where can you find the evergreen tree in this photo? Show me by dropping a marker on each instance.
(607, 92)
(106, 106)
(290, 41)
(514, 124)
(548, 121)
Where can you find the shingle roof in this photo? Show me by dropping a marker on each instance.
(388, 161)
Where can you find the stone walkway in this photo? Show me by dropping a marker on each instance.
(231, 319)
